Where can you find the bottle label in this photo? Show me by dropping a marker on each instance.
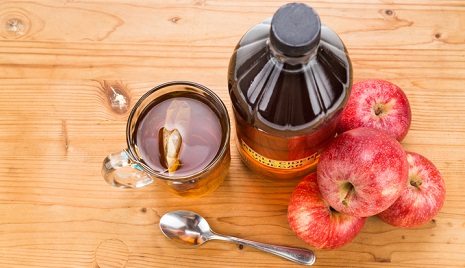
(278, 163)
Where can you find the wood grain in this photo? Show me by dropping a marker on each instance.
(57, 124)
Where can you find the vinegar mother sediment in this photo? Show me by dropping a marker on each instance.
(289, 79)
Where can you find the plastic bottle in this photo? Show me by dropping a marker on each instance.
(289, 79)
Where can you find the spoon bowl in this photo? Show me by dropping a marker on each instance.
(185, 227)
(189, 228)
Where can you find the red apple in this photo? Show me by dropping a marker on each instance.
(378, 104)
(423, 197)
(362, 172)
(313, 220)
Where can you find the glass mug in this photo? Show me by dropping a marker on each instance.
(204, 155)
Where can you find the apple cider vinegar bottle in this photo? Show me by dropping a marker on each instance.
(289, 79)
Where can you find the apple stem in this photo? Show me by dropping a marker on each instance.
(416, 183)
(379, 109)
(350, 190)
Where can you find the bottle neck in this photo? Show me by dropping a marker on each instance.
(281, 58)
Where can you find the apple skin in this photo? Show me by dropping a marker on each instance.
(362, 172)
(313, 220)
(378, 104)
(423, 197)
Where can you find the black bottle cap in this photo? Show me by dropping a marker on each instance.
(295, 30)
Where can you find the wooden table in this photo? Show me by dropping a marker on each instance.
(57, 123)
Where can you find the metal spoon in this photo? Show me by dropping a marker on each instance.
(191, 229)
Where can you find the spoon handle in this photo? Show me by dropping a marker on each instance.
(298, 255)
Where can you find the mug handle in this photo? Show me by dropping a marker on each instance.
(120, 170)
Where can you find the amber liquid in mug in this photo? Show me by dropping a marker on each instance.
(199, 147)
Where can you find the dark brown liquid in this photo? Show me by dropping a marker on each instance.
(200, 144)
(286, 111)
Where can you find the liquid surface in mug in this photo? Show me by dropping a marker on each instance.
(201, 137)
